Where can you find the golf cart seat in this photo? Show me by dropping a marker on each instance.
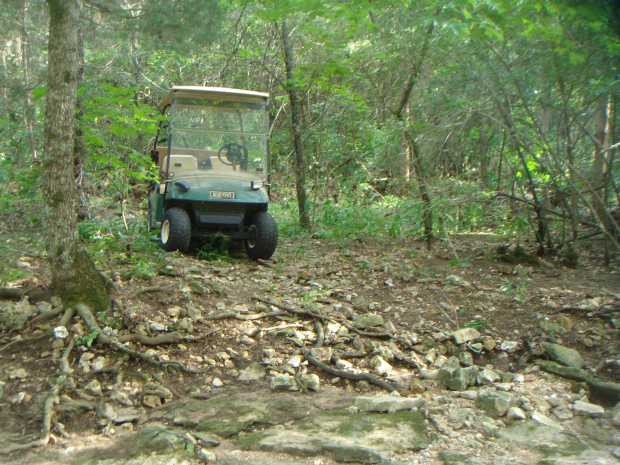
(181, 164)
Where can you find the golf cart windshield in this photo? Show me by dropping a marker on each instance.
(211, 136)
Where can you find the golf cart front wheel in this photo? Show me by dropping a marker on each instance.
(176, 230)
(263, 236)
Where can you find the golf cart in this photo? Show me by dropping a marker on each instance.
(211, 150)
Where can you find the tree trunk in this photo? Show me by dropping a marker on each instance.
(74, 277)
(27, 75)
(296, 127)
(427, 207)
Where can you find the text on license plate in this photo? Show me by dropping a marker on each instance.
(221, 195)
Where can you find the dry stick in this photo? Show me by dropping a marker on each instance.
(349, 375)
(93, 326)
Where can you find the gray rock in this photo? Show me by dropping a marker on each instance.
(206, 455)
(487, 376)
(206, 440)
(494, 403)
(463, 335)
(217, 382)
(615, 414)
(428, 374)
(562, 412)
(311, 382)
(93, 388)
(284, 383)
(544, 420)
(186, 324)
(253, 372)
(587, 409)
(564, 355)
(466, 359)
(155, 389)
(509, 346)
(368, 320)
(117, 415)
(380, 366)
(515, 413)
(455, 378)
(387, 403)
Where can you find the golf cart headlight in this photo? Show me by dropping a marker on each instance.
(256, 185)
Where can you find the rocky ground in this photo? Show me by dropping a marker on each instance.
(364, 352)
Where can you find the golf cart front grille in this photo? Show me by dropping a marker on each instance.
(231, 220)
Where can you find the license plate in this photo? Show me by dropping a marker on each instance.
(221, 195)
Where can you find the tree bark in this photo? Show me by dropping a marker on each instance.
(74, 276)
(296, 127)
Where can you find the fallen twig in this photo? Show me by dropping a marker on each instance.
(160, 339)
(371, 379)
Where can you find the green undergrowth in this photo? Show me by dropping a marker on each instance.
(458, 207)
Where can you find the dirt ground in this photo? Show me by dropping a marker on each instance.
(420, 295)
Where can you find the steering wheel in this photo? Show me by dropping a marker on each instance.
(236, 154)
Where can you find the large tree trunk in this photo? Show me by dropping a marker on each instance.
(296, 127)
(74, 277)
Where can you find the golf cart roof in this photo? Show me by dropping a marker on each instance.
(213, 93)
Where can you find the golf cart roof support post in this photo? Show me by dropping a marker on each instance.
(173, 104)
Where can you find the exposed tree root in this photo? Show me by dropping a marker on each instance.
(244, 317)
(48, 406)
(34, 294)
(320, 333)
(324, 319)
(371, 379)
(159, 340)
(91, 322)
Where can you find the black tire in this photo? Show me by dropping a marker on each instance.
(176, 230)
(263, 238)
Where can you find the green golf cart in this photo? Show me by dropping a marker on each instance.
(211, 150)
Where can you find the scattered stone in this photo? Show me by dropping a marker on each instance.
(19, 398)
(93, 388)
(615, 415)
(488, 343)
(487, 376)
(117, 415)
(295, 361)
(158, 327)
(174, 312)
(194, 313)
(562, 412)
(217, 382)
(206, 440)
(516, 414)
(324, 354)
(99, 364)
(206, 455)
(429, 374)
(252, 372)
(455, 378)
(509, 346)
(151, 401)
(466, 359)
(463, 335)
(18, 373)
(284, 383)
(60, 332)
(158, 390)
(564, 355)
(311, 382)
(587, 409)
(342, 364)
(387, 403)
(380, 366)
(186, 324)
(541, 419)
(121, 397)
(494, 403)
(368, 320)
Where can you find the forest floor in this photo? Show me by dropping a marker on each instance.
(456, 333)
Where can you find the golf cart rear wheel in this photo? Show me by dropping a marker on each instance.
(263, 236)
(176, 230)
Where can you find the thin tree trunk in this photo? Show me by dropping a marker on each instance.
(296, 127)
(74, 277)
(27, 75)
(427, 207)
